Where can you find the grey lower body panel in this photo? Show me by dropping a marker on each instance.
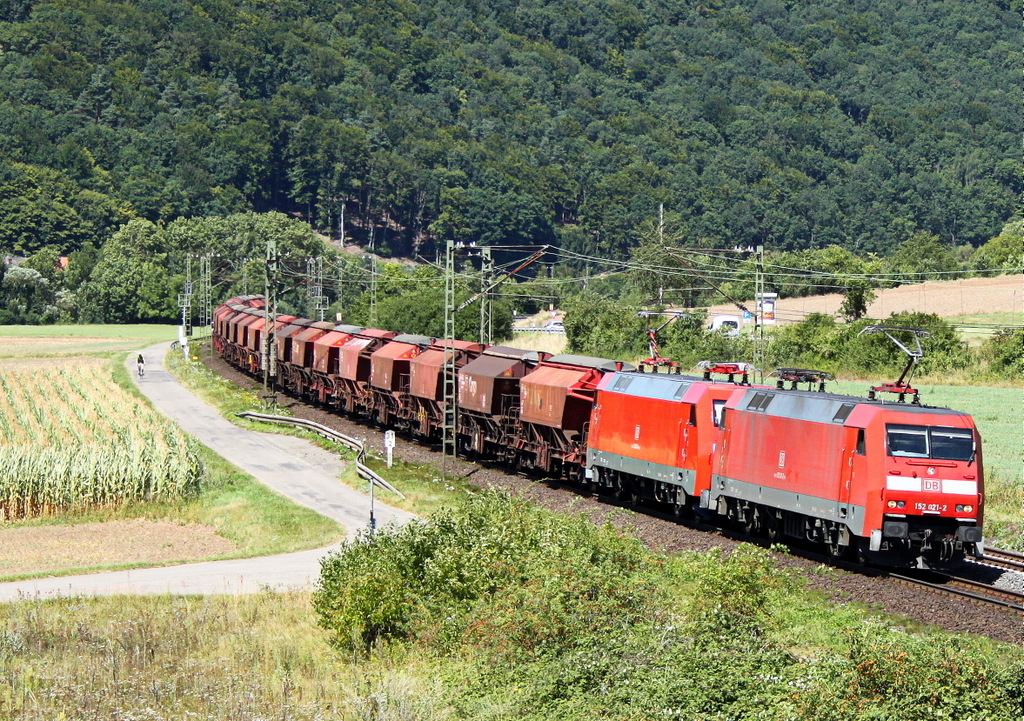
(851, 515)
(683, 477)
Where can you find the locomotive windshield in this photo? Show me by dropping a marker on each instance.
(938, 442)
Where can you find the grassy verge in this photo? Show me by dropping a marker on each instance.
(557, 631)
(421, 484)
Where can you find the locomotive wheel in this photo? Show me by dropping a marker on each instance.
(752, 525)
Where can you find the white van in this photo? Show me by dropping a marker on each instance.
(727, 325)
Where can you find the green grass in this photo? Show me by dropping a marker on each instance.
(988, 319)
(984, 325)
(999, 414)
(154, 333)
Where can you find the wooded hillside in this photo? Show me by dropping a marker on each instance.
(794, 124)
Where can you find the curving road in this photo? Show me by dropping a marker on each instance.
(288, 465)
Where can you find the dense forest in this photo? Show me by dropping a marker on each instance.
(790, 123)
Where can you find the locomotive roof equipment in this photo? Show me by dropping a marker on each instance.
(902, 384)
(656, 360)
(801, 375)
(729, 369)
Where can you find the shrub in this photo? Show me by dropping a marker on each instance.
(1005, 353)
(496, 573)
(889, 674)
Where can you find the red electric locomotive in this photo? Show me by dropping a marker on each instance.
(896, 483)
(653, 435)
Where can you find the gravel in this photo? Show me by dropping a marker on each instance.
(840, 587)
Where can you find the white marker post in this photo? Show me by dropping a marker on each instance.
(389, 445)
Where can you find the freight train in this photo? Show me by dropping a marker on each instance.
(887, 482)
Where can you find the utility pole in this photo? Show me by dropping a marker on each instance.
(448, 427)
(341, 291)
(185, 301)
(315, 287)
(759, 315)
(321, 299)
(245, 276)
(373, 290)
(268, 361)
(205, 293)
(486, 298)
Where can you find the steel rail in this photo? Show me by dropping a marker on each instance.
(974, 586)
(1010, 560)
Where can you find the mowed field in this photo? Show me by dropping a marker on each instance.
(972, 299)
(93, 478)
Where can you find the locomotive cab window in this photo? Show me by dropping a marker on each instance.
(861, 445)
(955, 444)
(938, 442)
(718, 412)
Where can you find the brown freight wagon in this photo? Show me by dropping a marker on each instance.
(300, 369)
(354, 368)
(426, 381)
(555, 401)
(489, 399)
(326, 362)
(389, 378)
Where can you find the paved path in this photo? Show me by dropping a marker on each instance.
(292, 467)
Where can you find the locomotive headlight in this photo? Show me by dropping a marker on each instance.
(900, 504)
(891, 504)
(964, 508)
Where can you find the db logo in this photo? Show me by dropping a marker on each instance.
(932, 484)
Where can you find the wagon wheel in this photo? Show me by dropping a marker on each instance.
(835, 550)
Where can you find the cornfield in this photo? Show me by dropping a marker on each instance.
(72, 438)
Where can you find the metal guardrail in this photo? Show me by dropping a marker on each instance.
(330, 434)
(560, 331)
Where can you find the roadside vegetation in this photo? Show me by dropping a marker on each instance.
(537, 615)
(495, 609)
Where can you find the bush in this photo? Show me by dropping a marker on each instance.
(819, 342)
(1004, 353)
(496, 573)
(888, 674)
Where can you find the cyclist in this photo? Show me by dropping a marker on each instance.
(141, 363)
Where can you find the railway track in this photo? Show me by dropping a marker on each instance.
(966, 588)
(969, 589)
(1009, 560)
(990, 616)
